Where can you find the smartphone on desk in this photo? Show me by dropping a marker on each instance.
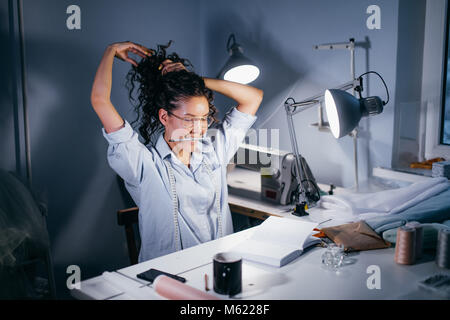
(150, 275)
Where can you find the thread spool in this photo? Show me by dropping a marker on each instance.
(405, 248)
(419, 237)
(443, 249)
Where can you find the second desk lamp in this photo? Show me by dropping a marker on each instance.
(344, 111)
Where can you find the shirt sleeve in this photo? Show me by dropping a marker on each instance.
(126, 154)
(232, 132)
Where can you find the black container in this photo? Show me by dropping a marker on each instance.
(227, 268)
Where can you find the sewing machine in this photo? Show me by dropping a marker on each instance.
(279, 184)
(268, 174)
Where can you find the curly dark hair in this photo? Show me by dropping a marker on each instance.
(155, 91)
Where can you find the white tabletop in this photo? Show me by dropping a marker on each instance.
(303, 278)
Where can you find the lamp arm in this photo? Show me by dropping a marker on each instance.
(296, 107)
(293, 138)
(311, 101)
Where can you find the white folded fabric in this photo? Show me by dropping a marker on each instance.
(361, 206)
(132, 289)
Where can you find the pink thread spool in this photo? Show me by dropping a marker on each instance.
(405, 248)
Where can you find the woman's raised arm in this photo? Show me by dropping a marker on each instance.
(101, 89)
(248, 98)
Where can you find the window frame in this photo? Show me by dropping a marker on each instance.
(433, 91)
(445, 77)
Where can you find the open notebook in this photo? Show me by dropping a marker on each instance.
(277, 241)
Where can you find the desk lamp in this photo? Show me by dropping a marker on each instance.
(238, 68)
(344, 111)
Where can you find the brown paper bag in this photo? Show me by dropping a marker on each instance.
(356, 236)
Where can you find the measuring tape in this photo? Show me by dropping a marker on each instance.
(177, 237)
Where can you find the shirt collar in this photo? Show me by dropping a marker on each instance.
(197, 157)
(207, 150)
(162, 146)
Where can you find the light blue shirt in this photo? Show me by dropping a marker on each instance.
(146, 178)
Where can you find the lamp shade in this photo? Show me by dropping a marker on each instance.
(343, 111)
(238, 67)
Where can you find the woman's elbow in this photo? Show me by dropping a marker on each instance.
(259, 96)
(97, 101)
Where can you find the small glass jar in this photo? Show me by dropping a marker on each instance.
(333, 257)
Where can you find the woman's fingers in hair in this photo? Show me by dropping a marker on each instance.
(147, 51)
(141, 49)
(138, 52)
(166, 69)
(177, 66)
(134, 63)
(164, 64)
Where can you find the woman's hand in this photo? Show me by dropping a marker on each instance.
(121, 50)
(169, 66)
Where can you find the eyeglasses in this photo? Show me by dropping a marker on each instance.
(188, 122)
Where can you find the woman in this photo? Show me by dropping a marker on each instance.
(179, 181)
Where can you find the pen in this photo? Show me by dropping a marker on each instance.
(325, 221)
(206, 282)
(186, 139)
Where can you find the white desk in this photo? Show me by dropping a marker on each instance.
(303, 278)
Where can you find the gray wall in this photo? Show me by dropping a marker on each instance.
(68, 150)
(280, 35)
(69, 163)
